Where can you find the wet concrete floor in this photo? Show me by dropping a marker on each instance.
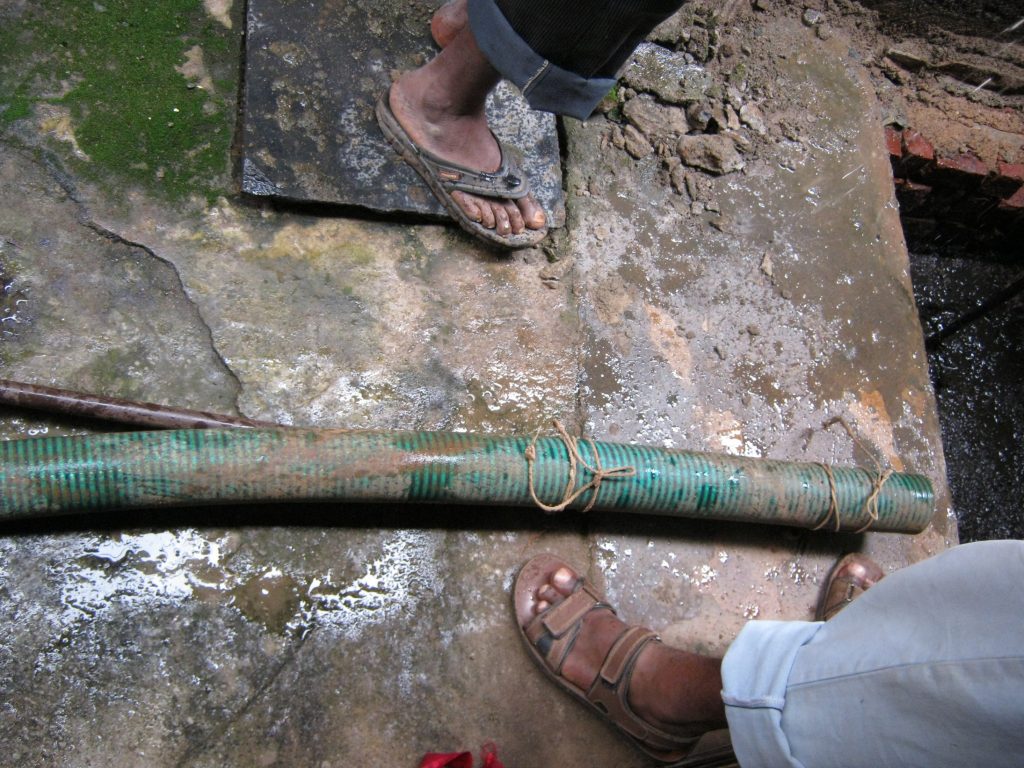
(316, 636)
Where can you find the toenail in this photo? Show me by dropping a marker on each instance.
(562, 578)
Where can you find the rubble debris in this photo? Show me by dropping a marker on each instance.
(657, 70)
(654, 120)
(698, 116)
(811, 17)
(713, 153)
(699, 45)
(752, 117)
(677, 177)
(636, 143)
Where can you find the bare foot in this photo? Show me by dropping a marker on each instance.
(441, 107)
(448, 21)
(671, 689)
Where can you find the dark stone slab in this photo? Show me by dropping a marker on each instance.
(313, 73)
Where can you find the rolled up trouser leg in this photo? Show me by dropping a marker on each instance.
(924, 669)
(564, 54)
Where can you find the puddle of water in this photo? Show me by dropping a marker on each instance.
(96, 573)
(395, 582)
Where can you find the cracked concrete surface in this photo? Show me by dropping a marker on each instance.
(315, 636)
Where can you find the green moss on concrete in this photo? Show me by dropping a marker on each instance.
(113, 64)
(17, 107)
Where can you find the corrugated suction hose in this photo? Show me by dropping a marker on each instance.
(61, 475)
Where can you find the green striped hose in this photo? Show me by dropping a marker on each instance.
(61, 475)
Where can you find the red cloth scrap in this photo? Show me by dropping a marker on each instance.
(489, 753)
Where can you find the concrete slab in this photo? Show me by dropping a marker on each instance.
(746, 324)
(313, 72)
(318, 636)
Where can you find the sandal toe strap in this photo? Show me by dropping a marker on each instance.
(508, 182)
(554, 632)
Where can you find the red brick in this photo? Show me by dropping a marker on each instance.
(964, 173)
(894, 141)
(1015, 202)
(917, 146)
(966, 165)
(1012, 171)
(1007, 181)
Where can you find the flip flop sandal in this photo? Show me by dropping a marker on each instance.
(443, 178)
(550, 637)
(844, 586)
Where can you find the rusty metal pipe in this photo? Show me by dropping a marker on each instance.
(148, 415)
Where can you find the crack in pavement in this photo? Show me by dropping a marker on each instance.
(67, 185)
(218, 733)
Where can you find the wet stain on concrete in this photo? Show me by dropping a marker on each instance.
(271, 598)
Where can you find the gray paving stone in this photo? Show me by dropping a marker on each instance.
(313, 72)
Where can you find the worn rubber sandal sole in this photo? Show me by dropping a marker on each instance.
(710, 750)
(408, 151)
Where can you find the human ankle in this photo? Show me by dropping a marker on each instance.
(676, 688)
(433, 101)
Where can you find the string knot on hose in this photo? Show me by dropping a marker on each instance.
(881, 475)
(576, 461)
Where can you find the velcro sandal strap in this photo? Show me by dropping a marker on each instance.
(622, 652)
(561, 618)
(610, 691)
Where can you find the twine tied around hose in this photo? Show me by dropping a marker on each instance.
(871, 502)
(576, 460)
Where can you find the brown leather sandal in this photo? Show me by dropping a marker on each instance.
(550, 637)
(853, 575)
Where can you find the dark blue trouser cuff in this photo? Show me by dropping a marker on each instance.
(545, 86)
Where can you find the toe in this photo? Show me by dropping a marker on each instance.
(563, 580)
(487, 213)
(549, 594)
(536, 575)
(448, 21)
(468, 204)
(533, 215)
(502, 226)
(515, 218)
